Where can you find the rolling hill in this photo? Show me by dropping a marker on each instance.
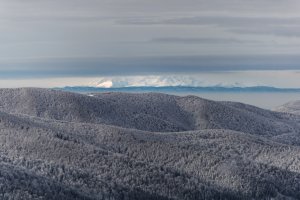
(61, 145)
(291, 107)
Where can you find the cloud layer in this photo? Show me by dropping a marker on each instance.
(150, 65)
(71, 28)
(285, 79)
(68, 38)
(281, 79)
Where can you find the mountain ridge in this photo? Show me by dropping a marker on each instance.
(292, 107)
(144, 146)
(178, 89)
(146, 111)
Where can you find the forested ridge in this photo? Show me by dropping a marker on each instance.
(61, 145)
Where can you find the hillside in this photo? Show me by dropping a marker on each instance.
(60, 145)
(291, 107)
(52, 104)
(149, 111)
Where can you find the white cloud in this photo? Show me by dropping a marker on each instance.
(280, 78)
(289, 79)
(105, 84)
(140, 81)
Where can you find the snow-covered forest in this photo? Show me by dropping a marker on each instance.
(61, 145)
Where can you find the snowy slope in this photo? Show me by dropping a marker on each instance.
(60, 145)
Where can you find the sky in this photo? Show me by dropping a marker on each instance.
(49, 43)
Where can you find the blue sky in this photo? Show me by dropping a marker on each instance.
(67, 40)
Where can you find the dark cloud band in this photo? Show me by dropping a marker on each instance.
(64, 67)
